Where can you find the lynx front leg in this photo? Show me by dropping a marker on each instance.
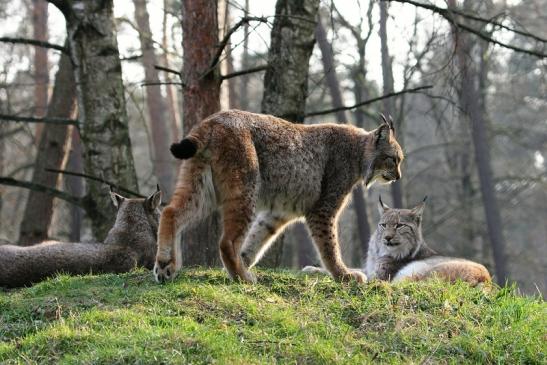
(264, 231)
(322, 223)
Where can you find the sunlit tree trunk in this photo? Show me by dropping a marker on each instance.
(51, 154)
(244, 79)
(201, 98)
(172, 99)
(389, 103)
(164, 163)
(286, 79)
(41, 66)
(101, 104)
(333, 84)
(470, 97)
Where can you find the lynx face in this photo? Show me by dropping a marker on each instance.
(399, 231)
(388, 155)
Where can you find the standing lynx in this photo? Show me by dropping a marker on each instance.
(264, 172)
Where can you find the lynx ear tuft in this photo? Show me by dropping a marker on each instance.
(154, 200)
(418, 210)
(382, 208)
(117, 199)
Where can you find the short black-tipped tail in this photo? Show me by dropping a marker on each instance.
(184, 149)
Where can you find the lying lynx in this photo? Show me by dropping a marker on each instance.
(264, 172)
(397, 252)
(130, 243)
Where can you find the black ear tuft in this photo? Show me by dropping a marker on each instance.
(184, 149)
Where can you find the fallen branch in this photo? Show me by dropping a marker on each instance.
(244, 72)
(33, 42)
(370, 101)
(51, 120)
(448, 13)
(43, 189)
(95, 178)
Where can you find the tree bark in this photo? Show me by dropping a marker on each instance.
(286, 79)
(75, 184)
(359, 203)
(389, 103)
(164, 164)
(51, 154)
(244, 79)
(201, 98)
(41, 67)
(172, 100)
(101, 105)
(469, 96)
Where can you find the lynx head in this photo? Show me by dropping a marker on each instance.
(384, 163)
(399, 232)
(136, 220)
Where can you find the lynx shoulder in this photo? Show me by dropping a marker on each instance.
(262, 173)
(131, 242)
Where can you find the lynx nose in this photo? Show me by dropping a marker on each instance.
(388, 238)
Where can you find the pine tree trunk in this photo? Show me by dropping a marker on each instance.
(164, 163)
(244, 79)
(172, 99)
(358, 198)
(201, 98)
(51, 154)
(75, 184)
(41, 67)
(286, 79)
(101, 105)
(470, 97)
(389, 103)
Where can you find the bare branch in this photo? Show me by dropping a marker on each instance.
(224, 41)
(370, 101)
(95, 178)
(52, 120)
(43, 189)
(155, 83)
(169, 70)
(244, 72)
(34, 42)
(131, 58)
(448, 13)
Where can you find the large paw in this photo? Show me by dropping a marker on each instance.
(356, 275)
(248, 277)
(164, 270)
(246, 258)
(314, 269)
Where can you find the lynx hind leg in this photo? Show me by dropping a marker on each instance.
(320, 270)
(322, 224)
(186, 207)
(468, 271)
(265, 229)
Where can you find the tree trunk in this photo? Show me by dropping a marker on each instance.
(172, 100)
(389, 103)
(41, 68)
(201, 98)
(469, 96)
(75, 184)
(101, 105)
(244, 79)
(286, 79)
(359, 203)
(164, 164)
(51, 154)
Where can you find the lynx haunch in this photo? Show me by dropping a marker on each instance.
(263, 172)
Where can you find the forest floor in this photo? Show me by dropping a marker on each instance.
(202, 317)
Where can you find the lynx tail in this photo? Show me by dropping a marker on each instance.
(184, 149)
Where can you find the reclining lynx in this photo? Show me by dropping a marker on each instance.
(264, 172)
(131, 242)
(397, 252)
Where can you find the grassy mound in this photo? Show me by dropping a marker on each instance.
(202, 317)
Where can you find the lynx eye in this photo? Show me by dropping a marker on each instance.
(383, 225)
(400, 225)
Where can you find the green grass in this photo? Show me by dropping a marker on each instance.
(202, 317)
